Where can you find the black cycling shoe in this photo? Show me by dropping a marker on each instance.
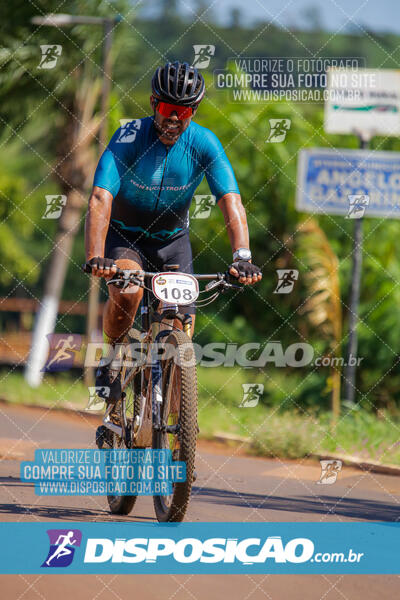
(109, 382)
(104, 437)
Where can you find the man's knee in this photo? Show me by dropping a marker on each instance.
(123, 302)
(130, 296)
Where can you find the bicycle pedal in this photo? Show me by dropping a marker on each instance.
(103, 436)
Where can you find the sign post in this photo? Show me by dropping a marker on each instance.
(350, 376)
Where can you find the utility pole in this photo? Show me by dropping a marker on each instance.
(69, 221)
(94, 285)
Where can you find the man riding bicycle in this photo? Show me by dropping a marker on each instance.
(138, 214)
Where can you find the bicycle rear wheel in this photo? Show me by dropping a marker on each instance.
(179, 409)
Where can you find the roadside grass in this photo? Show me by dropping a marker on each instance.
(56, 391)
(291, 431)
(273, 431)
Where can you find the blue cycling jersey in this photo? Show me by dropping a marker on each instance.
(153, 184)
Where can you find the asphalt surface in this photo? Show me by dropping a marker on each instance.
(230, 487)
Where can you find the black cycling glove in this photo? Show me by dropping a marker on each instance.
(245, 268)
(101, 263)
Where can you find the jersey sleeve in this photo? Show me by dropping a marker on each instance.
(111, 165)
(217, 168)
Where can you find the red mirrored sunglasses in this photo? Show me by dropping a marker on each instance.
(182, 112)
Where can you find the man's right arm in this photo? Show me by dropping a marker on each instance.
(96, 227)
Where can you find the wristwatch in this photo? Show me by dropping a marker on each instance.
(242, 254)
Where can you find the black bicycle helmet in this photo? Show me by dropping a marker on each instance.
(178, 83)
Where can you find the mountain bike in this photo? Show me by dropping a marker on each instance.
(158, 404)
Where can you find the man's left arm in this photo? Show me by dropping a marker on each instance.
(223, 185)
(238, 232)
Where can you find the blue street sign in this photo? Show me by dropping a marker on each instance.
(353, 183)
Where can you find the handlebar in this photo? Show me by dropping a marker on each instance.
(223, 280)
(122, 273)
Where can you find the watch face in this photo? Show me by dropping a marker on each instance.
(244, 254)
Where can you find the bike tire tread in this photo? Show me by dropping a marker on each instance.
(188, 422)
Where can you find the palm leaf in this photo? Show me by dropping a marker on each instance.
(322, 308)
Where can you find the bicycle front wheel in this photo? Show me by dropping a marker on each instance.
(179, 412)
(120, 505)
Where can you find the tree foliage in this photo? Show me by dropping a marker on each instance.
(35, 112)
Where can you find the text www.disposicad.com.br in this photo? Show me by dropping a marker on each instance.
(103, 488)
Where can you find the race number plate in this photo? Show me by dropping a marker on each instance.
(175, 288)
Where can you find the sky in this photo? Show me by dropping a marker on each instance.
(375, 15)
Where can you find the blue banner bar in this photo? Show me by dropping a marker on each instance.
(241, 548)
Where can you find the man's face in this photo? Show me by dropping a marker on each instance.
(169, 128)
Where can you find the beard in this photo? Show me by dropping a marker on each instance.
(165, 132)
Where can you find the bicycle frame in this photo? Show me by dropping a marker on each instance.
(152, 318)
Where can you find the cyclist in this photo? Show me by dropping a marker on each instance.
(138, 210)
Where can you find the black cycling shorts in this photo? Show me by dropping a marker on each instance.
(152, 255)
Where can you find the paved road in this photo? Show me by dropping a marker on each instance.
(230, 487)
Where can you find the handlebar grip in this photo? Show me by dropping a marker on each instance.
(88, 269)
(231, 279)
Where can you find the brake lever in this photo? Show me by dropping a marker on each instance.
(123, 282)
(118, 281)
(232, 285)
(232, 282)
(225, 282)
(213, 284)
